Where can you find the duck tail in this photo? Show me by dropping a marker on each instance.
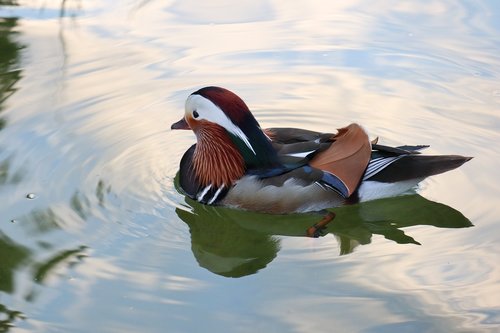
(417, 166)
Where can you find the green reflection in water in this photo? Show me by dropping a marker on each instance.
(7, 176)
(80, 205)
(70, 257)
(236, 243)
(8, 3)
(12, 256)
(15, 257)
(101, 191)
(225, 247)
(10, 72)
(10, 316)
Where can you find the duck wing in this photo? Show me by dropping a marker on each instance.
(342, 157)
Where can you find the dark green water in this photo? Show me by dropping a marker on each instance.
(94, 236)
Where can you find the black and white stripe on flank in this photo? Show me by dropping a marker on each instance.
(378, 164)
(204, 192)
(211, 195)
(328, 187)
(216, 195)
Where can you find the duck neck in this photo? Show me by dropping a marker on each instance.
(257, 151)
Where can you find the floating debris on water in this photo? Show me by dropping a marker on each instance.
(30, 196)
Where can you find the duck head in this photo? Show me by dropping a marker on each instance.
(216, 109)
(217, 115)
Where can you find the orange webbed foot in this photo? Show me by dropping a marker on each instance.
(317, 229)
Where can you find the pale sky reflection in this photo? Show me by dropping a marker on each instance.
(430, 287)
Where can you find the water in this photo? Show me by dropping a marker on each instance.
(95, 237)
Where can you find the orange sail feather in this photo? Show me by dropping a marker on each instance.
(348, 156)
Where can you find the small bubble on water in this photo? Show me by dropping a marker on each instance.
(13, 221)
(31, 196)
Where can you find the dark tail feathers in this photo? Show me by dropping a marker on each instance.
(416, 166)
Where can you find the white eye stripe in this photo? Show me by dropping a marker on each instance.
(207, 110)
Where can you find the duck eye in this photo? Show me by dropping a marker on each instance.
(195, 114)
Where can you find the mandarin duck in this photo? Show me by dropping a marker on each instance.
(236, 163)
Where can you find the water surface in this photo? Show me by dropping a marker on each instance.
(95, 237)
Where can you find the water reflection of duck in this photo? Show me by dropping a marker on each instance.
(282, 170)
(236, 243)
